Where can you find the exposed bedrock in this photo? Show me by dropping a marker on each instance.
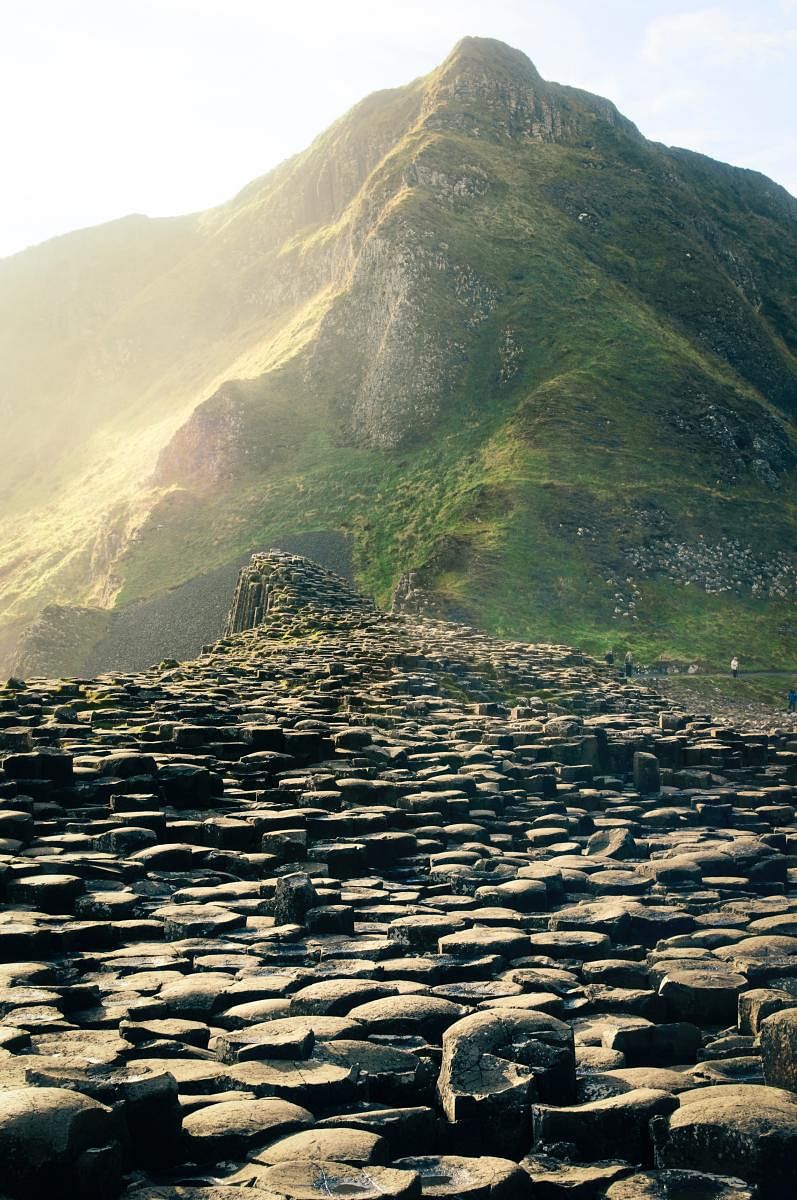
(368, 904)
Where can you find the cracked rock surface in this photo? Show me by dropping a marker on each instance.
(365, 904)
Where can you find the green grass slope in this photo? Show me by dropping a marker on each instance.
(509, 346)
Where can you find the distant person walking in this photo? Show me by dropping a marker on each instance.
(609, 656)
(735, 667)
(628, 664)
(791, 697)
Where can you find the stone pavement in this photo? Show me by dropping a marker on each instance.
(365, 905)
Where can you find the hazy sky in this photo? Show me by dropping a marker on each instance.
(166, 106)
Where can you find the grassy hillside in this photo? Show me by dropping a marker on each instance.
(110, 338)
(497, 338)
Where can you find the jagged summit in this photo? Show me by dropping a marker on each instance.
(489, 57)
(486, 88)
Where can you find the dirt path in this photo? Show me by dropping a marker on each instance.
(756, 701)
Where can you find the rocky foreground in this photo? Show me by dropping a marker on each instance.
(369, 905)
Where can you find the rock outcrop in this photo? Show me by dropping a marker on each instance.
(67, 640)
(279, 582)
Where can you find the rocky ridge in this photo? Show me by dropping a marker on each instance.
(371, 904)
(276, 582)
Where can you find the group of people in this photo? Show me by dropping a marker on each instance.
(791, 695)
(629, 668)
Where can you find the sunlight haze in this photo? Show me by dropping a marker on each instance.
(170, 106)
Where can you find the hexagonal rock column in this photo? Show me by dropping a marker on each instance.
(746, 1131)
(779, 1048)
(647, 779)
(58, 1144)
(494, 1064)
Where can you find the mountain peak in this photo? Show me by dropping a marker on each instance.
(491, 57)
(488, 89)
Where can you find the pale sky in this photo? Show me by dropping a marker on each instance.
(168, 106)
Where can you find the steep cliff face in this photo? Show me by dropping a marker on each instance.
(481, 327)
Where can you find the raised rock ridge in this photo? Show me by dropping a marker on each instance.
(70, 641)
(277, 581)
(370, 904)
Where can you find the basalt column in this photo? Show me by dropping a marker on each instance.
(280, 581)
(250, 600)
